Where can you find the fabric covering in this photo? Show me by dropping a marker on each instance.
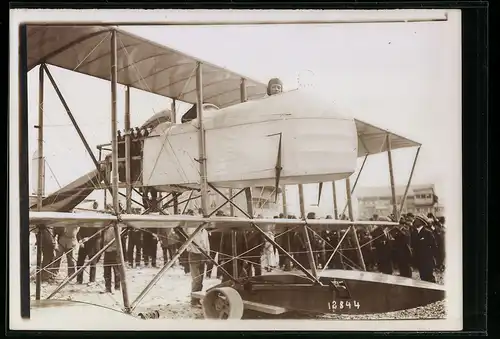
(141, 64)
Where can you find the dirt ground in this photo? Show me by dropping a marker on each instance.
(171, 295)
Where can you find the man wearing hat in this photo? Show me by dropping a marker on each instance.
(402, 252)
(424, 245)
(274, 86)
(382, 245)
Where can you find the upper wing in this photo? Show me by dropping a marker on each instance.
(55, 219)
(142, 64)
(372, 139)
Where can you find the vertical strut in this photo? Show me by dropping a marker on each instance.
(128, 178)
(231, 208)
(401, 205)
(288, 240)
(114, 169)
(176, 203)
(307, 239)
(243, 90)
(201, 138)
(351, 217)
(283, 199)
(40, 183)
(173, 111)
(234, 252)
(335, 208)
(391, 174)
(257, 228)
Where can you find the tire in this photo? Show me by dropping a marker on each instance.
(224, 303)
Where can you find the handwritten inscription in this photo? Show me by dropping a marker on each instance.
(341, 305)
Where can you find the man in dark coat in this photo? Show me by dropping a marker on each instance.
(366, 248)
(438, 232)
(214, 238)
(381, 243)
(134, 245)
(91, 245)
(424, 246)
(150, 246)
(402, 252)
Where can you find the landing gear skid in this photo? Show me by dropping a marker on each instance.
(223, 303)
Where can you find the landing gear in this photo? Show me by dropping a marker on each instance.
(222, 303)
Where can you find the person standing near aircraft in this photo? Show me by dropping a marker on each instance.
(49, 244)
(150, 246)
(134, 245)
(366, 248)
(163, 239)
(197, 260)
(424, 246)
(89, 248)
(67, 243)
(402, 252)
(110, 260)
(382, 246)
(215, 240)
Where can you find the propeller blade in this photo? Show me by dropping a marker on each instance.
(320, 188)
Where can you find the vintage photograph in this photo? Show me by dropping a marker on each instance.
(263, 167)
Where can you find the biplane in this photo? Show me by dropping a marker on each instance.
(295, 139)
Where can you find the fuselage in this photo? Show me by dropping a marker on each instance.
(242, 144)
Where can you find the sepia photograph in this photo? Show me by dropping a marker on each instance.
(284, 170)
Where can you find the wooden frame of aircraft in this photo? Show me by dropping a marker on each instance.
(71, 48)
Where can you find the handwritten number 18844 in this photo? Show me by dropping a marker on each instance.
(341, 304)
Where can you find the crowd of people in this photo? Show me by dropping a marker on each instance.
(137, 136)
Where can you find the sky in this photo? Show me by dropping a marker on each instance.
(396, 76)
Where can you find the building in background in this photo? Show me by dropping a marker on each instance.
(377, 200)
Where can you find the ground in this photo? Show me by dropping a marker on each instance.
(171, 295)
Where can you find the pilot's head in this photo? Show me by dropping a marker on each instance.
(274, 86)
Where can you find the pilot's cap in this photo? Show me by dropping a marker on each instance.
(274, 81)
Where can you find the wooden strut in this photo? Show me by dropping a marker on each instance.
(78, 130)
(71, 277)
(356, 181)
(40, 183)
(114, 146)
(401, 205)
(128, 176)
(276, 245)
(336, 249)
(201, 138)
(391, 177)
(203, 180)
(307, 238)
(285, 214)
(351, 217)
(175, 257)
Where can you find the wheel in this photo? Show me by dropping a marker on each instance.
(222, 303)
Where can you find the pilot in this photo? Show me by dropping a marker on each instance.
(274, 86)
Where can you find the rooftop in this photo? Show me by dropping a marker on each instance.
(368, 192)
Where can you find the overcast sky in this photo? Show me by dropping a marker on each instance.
(396, 76)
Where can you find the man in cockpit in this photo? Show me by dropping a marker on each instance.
(274, 86)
